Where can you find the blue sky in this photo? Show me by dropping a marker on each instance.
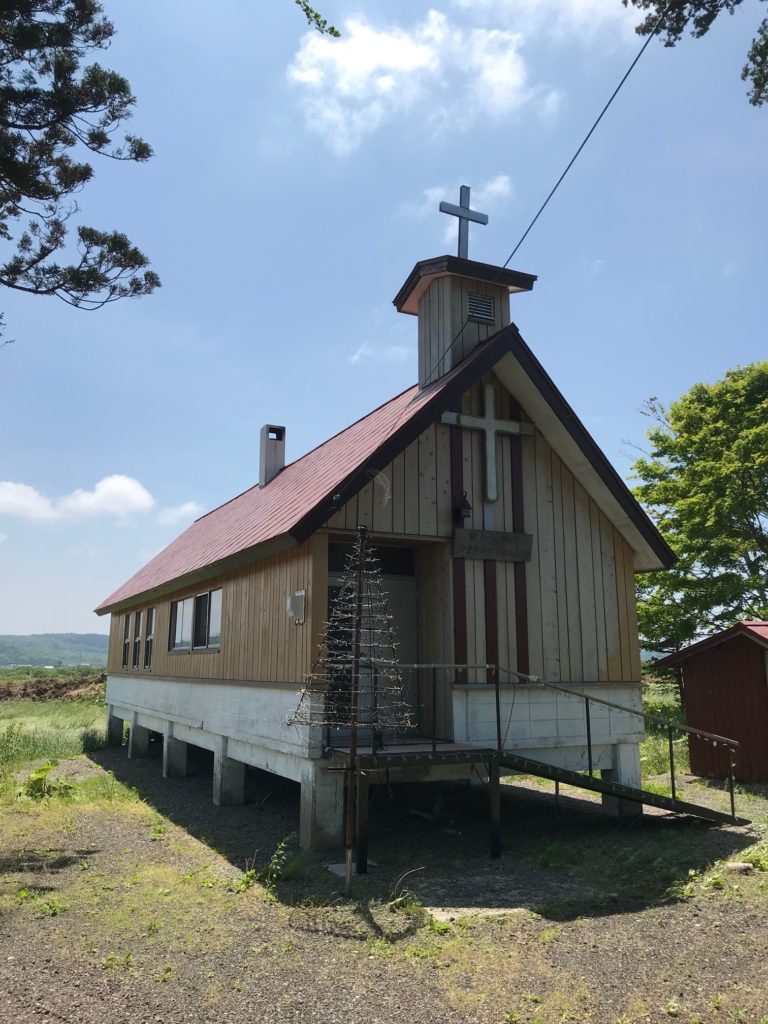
(296, 182)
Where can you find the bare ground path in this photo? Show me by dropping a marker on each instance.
(133, 907)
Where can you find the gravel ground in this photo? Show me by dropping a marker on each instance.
(127, 910)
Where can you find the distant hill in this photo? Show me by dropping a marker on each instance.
(57, 649)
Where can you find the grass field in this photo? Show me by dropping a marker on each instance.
(34, 730)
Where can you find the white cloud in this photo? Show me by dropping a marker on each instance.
(350, 87)
(557, 19)
(179, 513)
(115, 495)
(24, 501)
(383, 353)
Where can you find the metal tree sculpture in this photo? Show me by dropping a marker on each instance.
(355, 683)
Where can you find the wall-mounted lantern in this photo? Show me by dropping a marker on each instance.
(462, 510)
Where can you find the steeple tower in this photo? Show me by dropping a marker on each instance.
(459, 302)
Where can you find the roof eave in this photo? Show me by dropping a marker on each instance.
(273, 546)
(708, 642)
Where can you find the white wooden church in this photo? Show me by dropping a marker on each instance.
(508, 546)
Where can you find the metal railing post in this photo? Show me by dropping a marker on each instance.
(589, 736)
(731, 780)
(672, 763)
(498, 709)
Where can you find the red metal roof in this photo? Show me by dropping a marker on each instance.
(265, 513)
(306, 492)
(753, 629)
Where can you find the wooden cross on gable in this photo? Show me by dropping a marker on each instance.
(490, 426)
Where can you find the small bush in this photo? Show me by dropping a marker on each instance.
(40, 786)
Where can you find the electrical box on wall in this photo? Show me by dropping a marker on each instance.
(294, 605)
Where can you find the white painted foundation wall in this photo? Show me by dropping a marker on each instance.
(548, 725)
(254, 719)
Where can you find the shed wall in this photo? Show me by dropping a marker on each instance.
(725, 691)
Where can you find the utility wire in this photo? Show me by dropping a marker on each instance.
(557, 184)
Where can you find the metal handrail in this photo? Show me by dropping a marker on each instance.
(649, 715)
(730, 744)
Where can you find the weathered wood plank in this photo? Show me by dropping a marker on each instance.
(571, 575)
(547, 570)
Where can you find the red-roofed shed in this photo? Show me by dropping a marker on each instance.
(724, 683)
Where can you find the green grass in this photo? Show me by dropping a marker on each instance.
(25, 674)
(33, 730)
(663, 699)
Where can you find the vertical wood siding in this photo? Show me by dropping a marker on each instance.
(259, 642)
(435, 632)
(409, 497)
(579, 584)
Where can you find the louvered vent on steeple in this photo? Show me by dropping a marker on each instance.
(481, 307)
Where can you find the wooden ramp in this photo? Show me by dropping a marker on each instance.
(596, 785)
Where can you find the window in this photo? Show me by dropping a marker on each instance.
(126, 640)
(149, 638)
(137, 639)
(202, 608)
(208, 619)
(196, 622)
(181, 624)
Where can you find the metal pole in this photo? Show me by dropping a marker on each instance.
(731, 779)
(498, 709)
(355, 682)
(589, 735)
(434, 708)
(672, 763)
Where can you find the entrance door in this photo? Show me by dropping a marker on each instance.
(400, 592)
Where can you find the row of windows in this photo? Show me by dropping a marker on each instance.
(132, 646)
(195, 625)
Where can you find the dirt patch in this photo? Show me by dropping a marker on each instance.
(53, 688)
(128, 909)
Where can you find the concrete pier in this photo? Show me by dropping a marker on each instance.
(175, 759)
(138, 739)
(228, 778)
(626, 770)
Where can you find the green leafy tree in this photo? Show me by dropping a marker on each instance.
(705, 482)
(672, 17)
(316, 20)
(56, 109)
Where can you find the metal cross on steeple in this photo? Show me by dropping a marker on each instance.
(465, 215)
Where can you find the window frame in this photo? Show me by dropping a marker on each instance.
(138, 623)
(149, 638)
(181, 647)
(196, 603)
(126, 664)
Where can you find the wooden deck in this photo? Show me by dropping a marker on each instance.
(415, 751)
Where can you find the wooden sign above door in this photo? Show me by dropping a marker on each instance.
(491, 544)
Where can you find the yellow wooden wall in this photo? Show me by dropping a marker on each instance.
(259, 642)
(434, 589)
(409, 497)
